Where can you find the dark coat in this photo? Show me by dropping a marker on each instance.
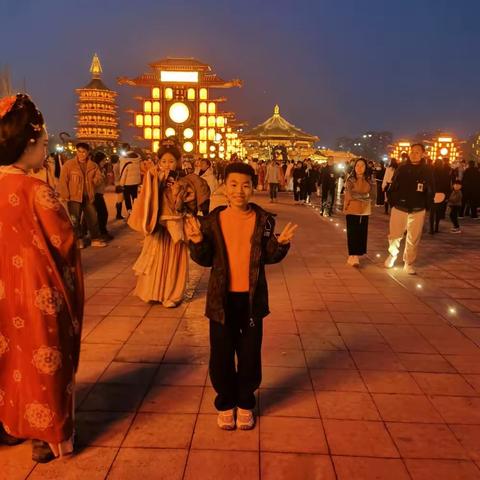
(471, 184)
(212, 252)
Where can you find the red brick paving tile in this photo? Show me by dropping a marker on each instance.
(406, 408)
(295, 466)
(442, 470)
(322, 342)
(190, 355)
(473, 334)
(222, 465)
(329, 359)
(102, 429)
(128, 373)
(208, 436)
(172, 399)
(160, 431)
(181, 374)
(377, 361)
(337, 380)
(360, 468)
(98, 352)
(404, 338)
(288, 403)
(286, 378)
(347, 406)
(465, 363)
(92, 463)
(141, 353)
(337, 307)
(359, 438)
(130, 310)
(282, 340)
(386, 318)
(426, 441)
(271, 326)
(378, 381)
(424, 319)
(350, 317)
(474, 381)
(89, 371)
(366, 343)
(312, 315)
(443, 384)
(469, 437)
(98, 309)
(293, 435)
(378, 307)
(110, 397)
(458, 409)
(414, 308)
(148, 464)
(448, 340)
(317, 328)
(281, 357)
(419, 362)
(113, 329)
(16, 461)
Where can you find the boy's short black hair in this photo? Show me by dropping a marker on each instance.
(83, 145)
(239, 167)
(421, 145)
(457, 181)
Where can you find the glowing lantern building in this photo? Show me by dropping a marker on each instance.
(179, 103)
(444, 146)
(399, 148)
(97, 120)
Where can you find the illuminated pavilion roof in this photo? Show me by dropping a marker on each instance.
(207, 77)
(96, 71)
(277, 128)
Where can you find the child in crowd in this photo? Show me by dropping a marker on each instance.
(455, 204)
(237, 241)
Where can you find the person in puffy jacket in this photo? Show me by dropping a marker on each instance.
(130, 178)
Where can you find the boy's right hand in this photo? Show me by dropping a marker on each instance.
(193, 229)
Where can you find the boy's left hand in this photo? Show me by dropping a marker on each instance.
(287, 233)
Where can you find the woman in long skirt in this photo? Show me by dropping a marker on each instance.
(41, 293)
(359, 195)
(162, 267)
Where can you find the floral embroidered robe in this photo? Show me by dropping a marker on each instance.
(41, 309)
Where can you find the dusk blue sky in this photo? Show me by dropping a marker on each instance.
(336, 67)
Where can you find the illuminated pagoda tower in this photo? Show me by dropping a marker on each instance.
(97, 119)
(179, 103)
(277, 131)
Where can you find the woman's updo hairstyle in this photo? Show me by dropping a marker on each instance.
(169, 145)
(20, 124)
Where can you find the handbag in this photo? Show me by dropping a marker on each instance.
(120, 188)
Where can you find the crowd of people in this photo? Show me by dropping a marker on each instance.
(50, 209)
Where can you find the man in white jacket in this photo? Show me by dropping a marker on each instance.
(130, 178)
(206, 172)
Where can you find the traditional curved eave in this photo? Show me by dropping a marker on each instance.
(186, 64)
(151, 80)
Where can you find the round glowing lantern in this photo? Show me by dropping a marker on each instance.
(188, 133)
(188, 147)
(170, 132)
(178, 112)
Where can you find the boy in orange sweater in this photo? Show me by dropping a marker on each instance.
(237, 242)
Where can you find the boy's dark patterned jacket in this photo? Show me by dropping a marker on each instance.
(212, 252)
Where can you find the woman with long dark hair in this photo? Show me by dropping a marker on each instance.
(387, 180)
(41, 292)
(359, 195)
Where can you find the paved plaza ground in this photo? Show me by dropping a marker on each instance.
(367, 374)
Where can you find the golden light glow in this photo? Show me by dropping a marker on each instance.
(445, 139)
(156, 107)
(168, 94)
(218, 137)
(188, 133)
(155, 146)
(139, 120)
(211, 134)
(170, 132)
(178, 112)
(188, 147)
(212, 148)
(211, 121)
(203, 107)
(444, 151)
(156, 120)
(203, 121)
(212, 108)
(220, 121)
(202, 147)
(147, 107)
(178, 77)
(203, 94)
(147, 133)
(203, 134)
(155, 92)
(147, 120)
(191, 94)
(156, 133)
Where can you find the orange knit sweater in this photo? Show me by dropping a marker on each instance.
(237, 229)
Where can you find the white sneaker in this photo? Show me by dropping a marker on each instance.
(390, 261)
(226, 420)
(245, 419)
(408, 268)
(353, 261)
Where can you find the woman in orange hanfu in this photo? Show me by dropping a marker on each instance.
(41, 293)
(159, 213)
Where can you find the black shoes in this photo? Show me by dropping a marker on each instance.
(7, 439)
(41, 452)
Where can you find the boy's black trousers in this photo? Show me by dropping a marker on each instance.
(240, 336)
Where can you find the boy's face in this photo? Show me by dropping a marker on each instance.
(457, 186)
(238, 189)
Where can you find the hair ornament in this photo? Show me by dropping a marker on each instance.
(6, 105)
(36, 127)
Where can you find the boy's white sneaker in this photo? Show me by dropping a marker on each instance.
(408, 268)
(455, 230)
(390, 261)
(353, 261)
(226, 419)
(245, 419)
